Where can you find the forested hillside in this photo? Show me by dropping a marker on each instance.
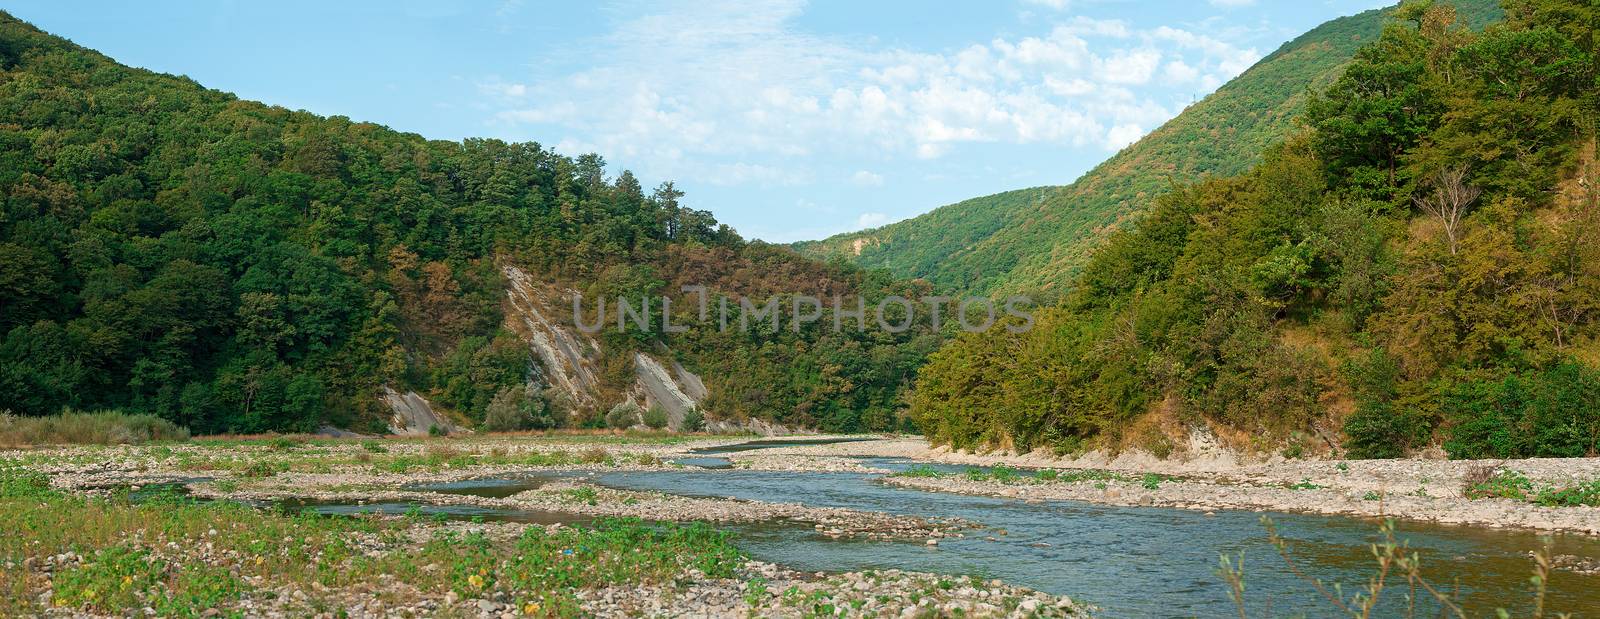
(1420, 266)
(927, 247)
(235, 266)
(1038, 246)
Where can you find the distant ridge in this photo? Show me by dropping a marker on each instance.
(1024, 242)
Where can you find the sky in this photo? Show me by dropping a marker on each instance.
(789, 120)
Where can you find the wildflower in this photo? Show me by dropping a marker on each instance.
(476, 581)
(531, 608)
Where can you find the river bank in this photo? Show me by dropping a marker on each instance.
(1414, 489)
(847, 506)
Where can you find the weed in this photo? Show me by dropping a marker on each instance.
(920, 470)
(595, 455)
(1489, 481)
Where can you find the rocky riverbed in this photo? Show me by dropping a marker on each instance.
(1415, 489)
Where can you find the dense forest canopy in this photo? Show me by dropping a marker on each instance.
(1421, 265)
(234, 266)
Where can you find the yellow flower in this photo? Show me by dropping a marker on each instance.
(530, 608)
(476, 581)
(127, 581)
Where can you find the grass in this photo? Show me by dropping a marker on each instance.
(181, 557)
(1492, 482)
(98, 428)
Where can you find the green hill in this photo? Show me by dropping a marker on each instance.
(1015, 242)
(1419, 268)
(234, 266)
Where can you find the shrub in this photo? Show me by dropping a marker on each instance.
(1382, 430)
(98, 428)
(1553, 413)
(694, 421)
(510, 410)
(655, 418)
(623, 416)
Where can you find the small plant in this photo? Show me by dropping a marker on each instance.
(1004, 474)
(755, 591)
(1152, 481)
(1304, 484)
(1372, 495)
(920, 470)
(437, 430)
(586, 495)
(655, 418)
(1343, 467)
(263, 468)
(1573, 496)
(1047, 475)
(1489, 481)
(285, 443)
(595, 455)
(374, 447)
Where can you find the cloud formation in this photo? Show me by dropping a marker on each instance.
(729, 92)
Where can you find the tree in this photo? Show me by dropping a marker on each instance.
(1449, 202)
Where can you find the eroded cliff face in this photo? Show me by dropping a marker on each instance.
(567, 358)
(413, 415)
(662, 389)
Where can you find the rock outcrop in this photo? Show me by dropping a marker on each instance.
(567, 358)
(412, 415)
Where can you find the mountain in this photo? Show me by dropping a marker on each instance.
(1417, 270)
(234, 266)
(1015, 242)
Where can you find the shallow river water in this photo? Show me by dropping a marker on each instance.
(1129, 561)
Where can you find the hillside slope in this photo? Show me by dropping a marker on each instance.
(1419, 269)
(1035, 246)
(239, 267)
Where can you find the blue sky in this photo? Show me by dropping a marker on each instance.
(789, 120)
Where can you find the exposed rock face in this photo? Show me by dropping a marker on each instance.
(661, 389)
(413, 416)
(565, 358)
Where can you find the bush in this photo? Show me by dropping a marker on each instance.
(694, 421)
(1382, 430)
(100, 428)
(1551, 414)
(655, 418)
(511, 410)
(623, 416)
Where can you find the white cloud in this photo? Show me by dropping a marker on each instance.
(1123, 135)
(871, 220)
(729, 92)
(866, 179)
(1179, 72)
